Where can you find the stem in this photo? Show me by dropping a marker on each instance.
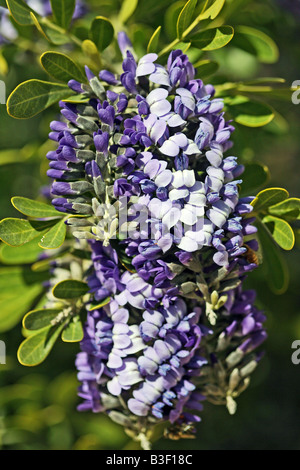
(57, 28)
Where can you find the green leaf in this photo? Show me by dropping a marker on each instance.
(35, 349)
(63, 11)
(20, 12)
(61, 67)
(50, 34)
(73, 333)
(55, 237)
(20, 255)
(255, 176)
(269, 197)
(127, 10)
(171, 17)
(39, 319)
(13, 306)
(205, 68)
(185, 17)
(13, 278)
(100, 305)
(70, 289)
(282, 232)
(153, 43)
(213, 11)
(32, 97)
(35, 209)
(17, 232)
(289, 208)
(257, 43)
(102, 32)
(277, 273)
(248, 112)
(212, 39)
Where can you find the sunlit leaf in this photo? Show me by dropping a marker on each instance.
(185, 17)
(55, 237)
(127, 9)
(33, 208)
(212, 11)
(171, 17)
(281, 231)
(212, 39)
(50, 34)
(20, 11)
(257, 43)
(32, 97)
(61, 67)
(38, 319)
(17, 232)
(63, 11)
(101, 32)
(99, 305)
(289, 208)
(73, 333)
(35, 349)
(248, 112)
(277, 273)
(16, 302)
(153, 43)
(269, 197)
(70, 289)
(20, 255)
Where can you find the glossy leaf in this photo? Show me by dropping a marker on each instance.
(61, 67)
(101, 32)
(32, 97)
(153, 43)
(269, 197)
(99, 305)
(55, 237)
(289, 208)
(33, 208)
(35, 349)
(73, 333)
(70, 289)
(127, 9)
(281, 231)
(212, 39)
(38, 319)
(185, 17)
(257, 43)
(20, 11)
(20, 255)
(249, 113)
(17, 232)
(213, 11)
(63, 11)
(277, 273)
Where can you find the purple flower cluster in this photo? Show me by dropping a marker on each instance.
(166, 282)
(151, 351)
(151, 363)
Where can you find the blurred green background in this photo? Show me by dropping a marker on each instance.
(38, 406)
